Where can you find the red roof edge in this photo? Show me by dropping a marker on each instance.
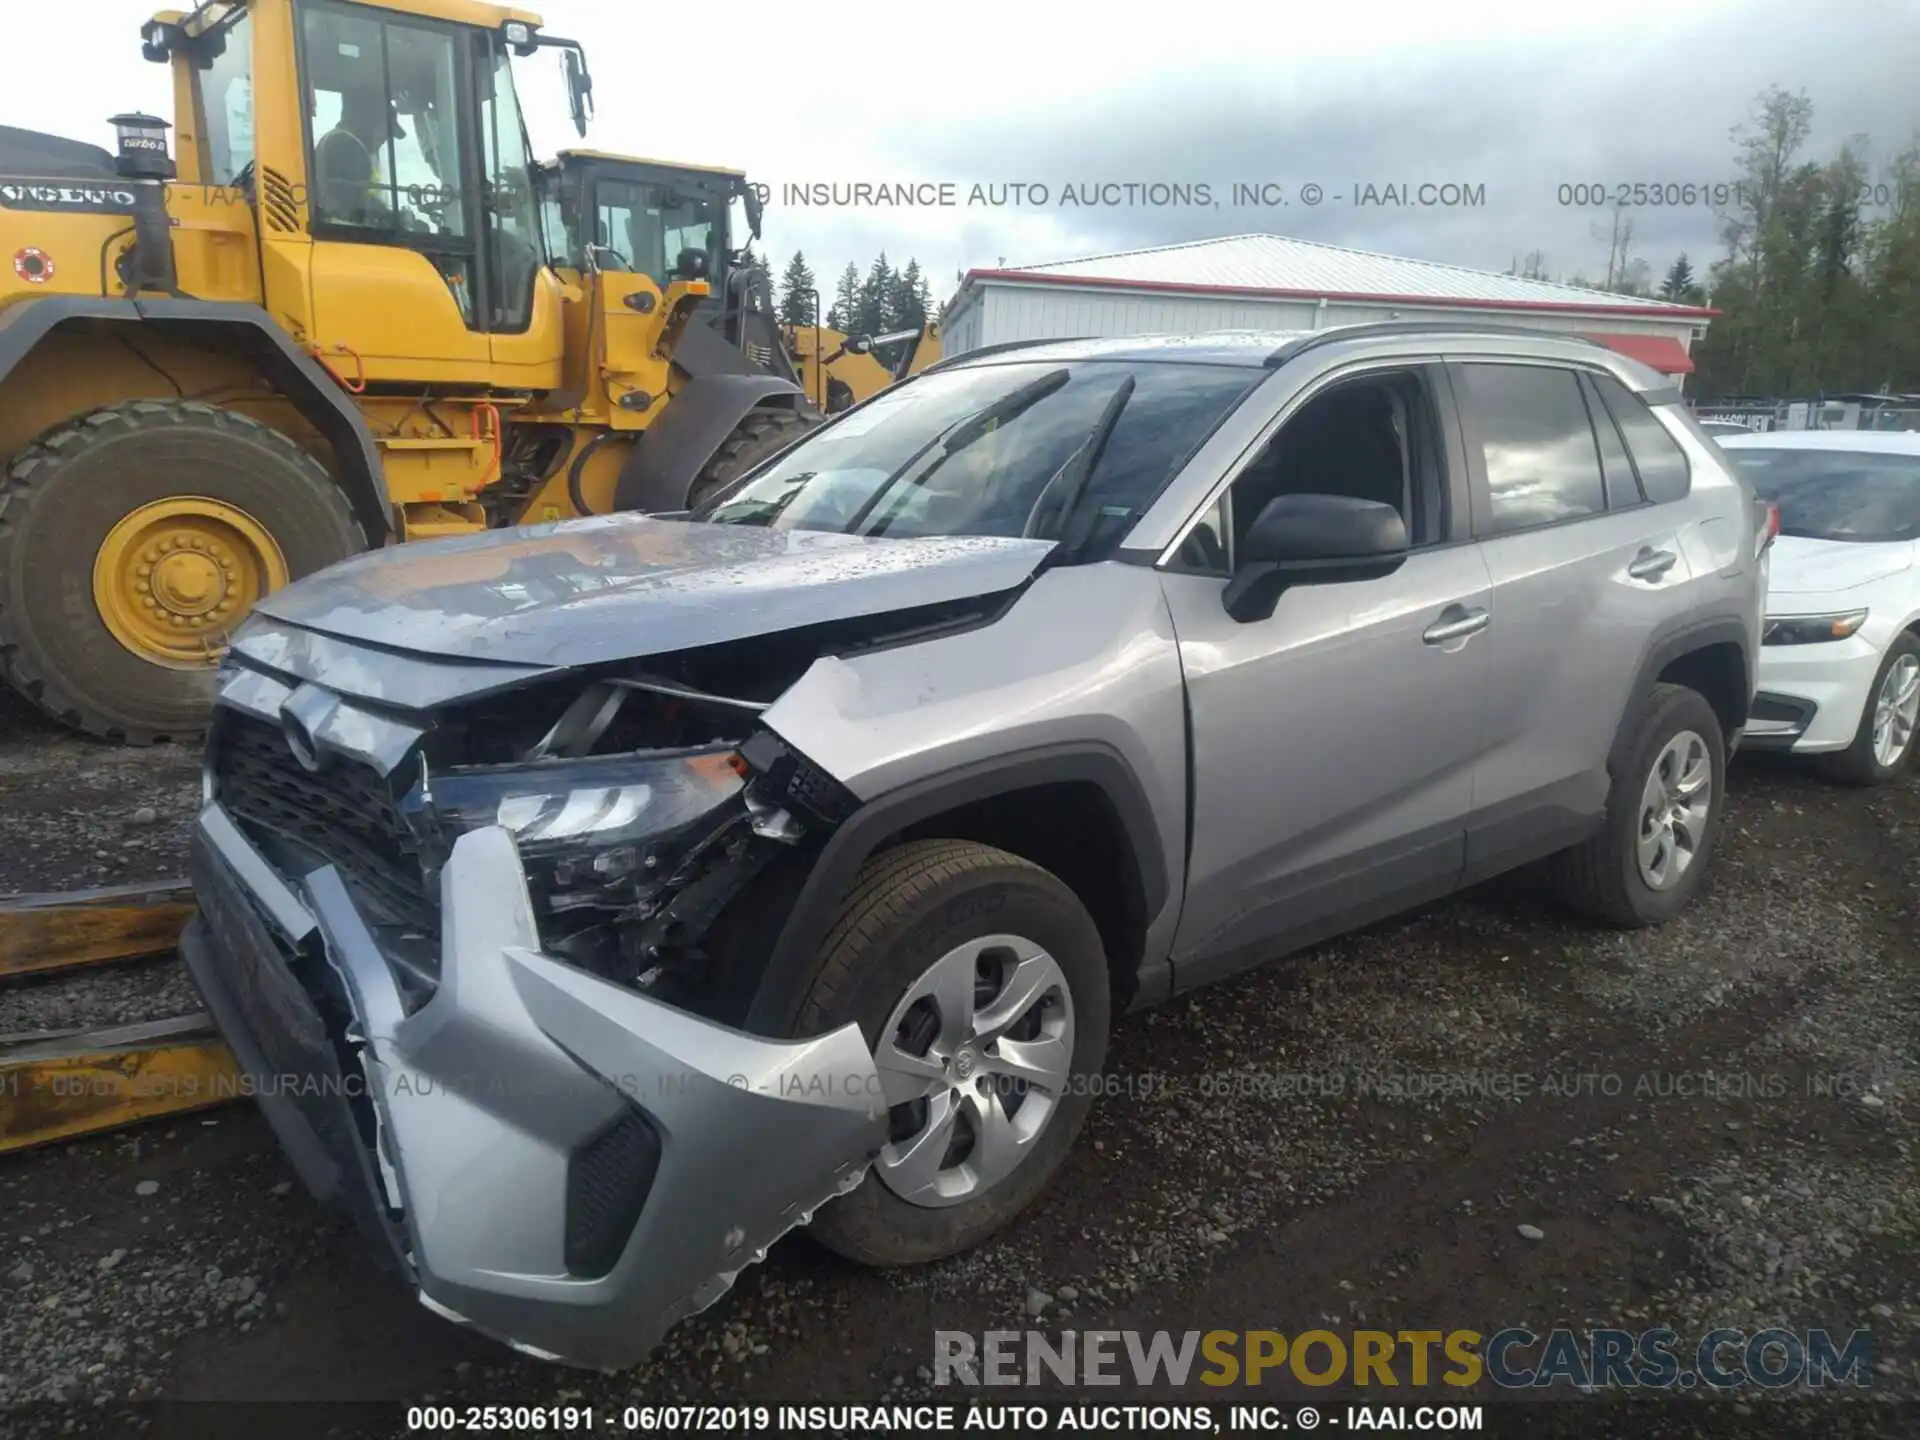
(1571, 307)
(1661, 352)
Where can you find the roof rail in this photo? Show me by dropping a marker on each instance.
(950, 361)
(1366, 328)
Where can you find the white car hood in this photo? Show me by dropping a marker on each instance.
(1819, 567)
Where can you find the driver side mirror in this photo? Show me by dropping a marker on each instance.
(1312, 540)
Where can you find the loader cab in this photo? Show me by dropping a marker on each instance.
(642, 217)
(384, 150)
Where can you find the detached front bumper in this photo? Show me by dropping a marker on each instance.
(556, 1160)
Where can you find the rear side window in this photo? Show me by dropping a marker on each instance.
(1623, 487)
(1664, 472)
(1537, 444)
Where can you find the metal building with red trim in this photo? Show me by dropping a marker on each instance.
(1272, 282)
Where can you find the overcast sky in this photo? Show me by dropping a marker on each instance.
(1513, 96)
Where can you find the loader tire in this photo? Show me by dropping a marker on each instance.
(133, 540)
(756, 437)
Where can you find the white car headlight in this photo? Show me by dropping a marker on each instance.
(1811, 629)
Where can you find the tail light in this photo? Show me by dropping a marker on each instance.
(1768, 528)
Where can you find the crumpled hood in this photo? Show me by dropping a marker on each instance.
(583, 592)
(1803, 566)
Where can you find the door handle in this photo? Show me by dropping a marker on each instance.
(1651, 564)
(1456, 623)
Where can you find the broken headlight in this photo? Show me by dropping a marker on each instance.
(590, 831)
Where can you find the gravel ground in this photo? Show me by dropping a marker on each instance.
(1707, 1125)
(79, 815)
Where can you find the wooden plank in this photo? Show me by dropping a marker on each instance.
(43, 933)
(60, 1085)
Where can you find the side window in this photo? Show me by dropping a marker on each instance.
(1623, 487)
(512, 216)
(1664, 472)
(1204, 551)
(1538, 445)
(226, 97)
(1371, 438)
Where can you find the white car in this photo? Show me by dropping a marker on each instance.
(1840, 659)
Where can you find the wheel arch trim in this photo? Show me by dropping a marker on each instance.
(1671, 644)
(303, 380)
(790, 964)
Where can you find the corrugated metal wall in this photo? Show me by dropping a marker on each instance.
(996, 314)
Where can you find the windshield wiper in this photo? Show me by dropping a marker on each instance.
(959, 435)
(1073, 475)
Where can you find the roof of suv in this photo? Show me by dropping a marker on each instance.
(1267, 347)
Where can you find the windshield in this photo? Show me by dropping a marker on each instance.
(643, 228)
(976, 451)
(1854, 495)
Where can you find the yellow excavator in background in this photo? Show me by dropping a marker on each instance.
(343, 308)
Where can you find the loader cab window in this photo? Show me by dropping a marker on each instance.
(388, 150)
(224, 79)
(512, 201)
(641, 228)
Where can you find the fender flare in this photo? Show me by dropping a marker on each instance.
(1667, 646)
(671, 452)
(789, 967)
(297, 375)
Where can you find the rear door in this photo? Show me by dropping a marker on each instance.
(1585, 567)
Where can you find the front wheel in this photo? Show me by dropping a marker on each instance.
(980, 982)
(1884, 742)
(1652, 851)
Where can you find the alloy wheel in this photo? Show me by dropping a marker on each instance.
(1896, 708)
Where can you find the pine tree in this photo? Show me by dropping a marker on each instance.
(1679, 284)
(905, 309)
(798, 298)
(846, 299)
(870, 310)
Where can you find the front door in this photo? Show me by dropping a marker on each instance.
(1333, 742)
(425, 236)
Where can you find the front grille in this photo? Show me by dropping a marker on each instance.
(607, 1183)
(344, 816)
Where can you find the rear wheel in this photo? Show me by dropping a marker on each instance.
(133, 540)
(756, 437)
(1653, 850)
(980, 983)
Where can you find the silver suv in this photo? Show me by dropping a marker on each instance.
(596, 902)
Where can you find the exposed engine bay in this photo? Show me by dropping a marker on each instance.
(644, 798)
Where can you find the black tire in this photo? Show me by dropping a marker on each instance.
(756, 437)
(1857, 764)
(62, 495)
(1601, 876)
(908, 907)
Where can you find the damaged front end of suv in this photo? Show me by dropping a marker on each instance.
(460, 923)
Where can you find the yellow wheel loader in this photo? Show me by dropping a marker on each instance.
(621, 213)
(329, 313)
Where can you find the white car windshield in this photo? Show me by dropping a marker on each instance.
(1857, 495)
(1003, 449)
